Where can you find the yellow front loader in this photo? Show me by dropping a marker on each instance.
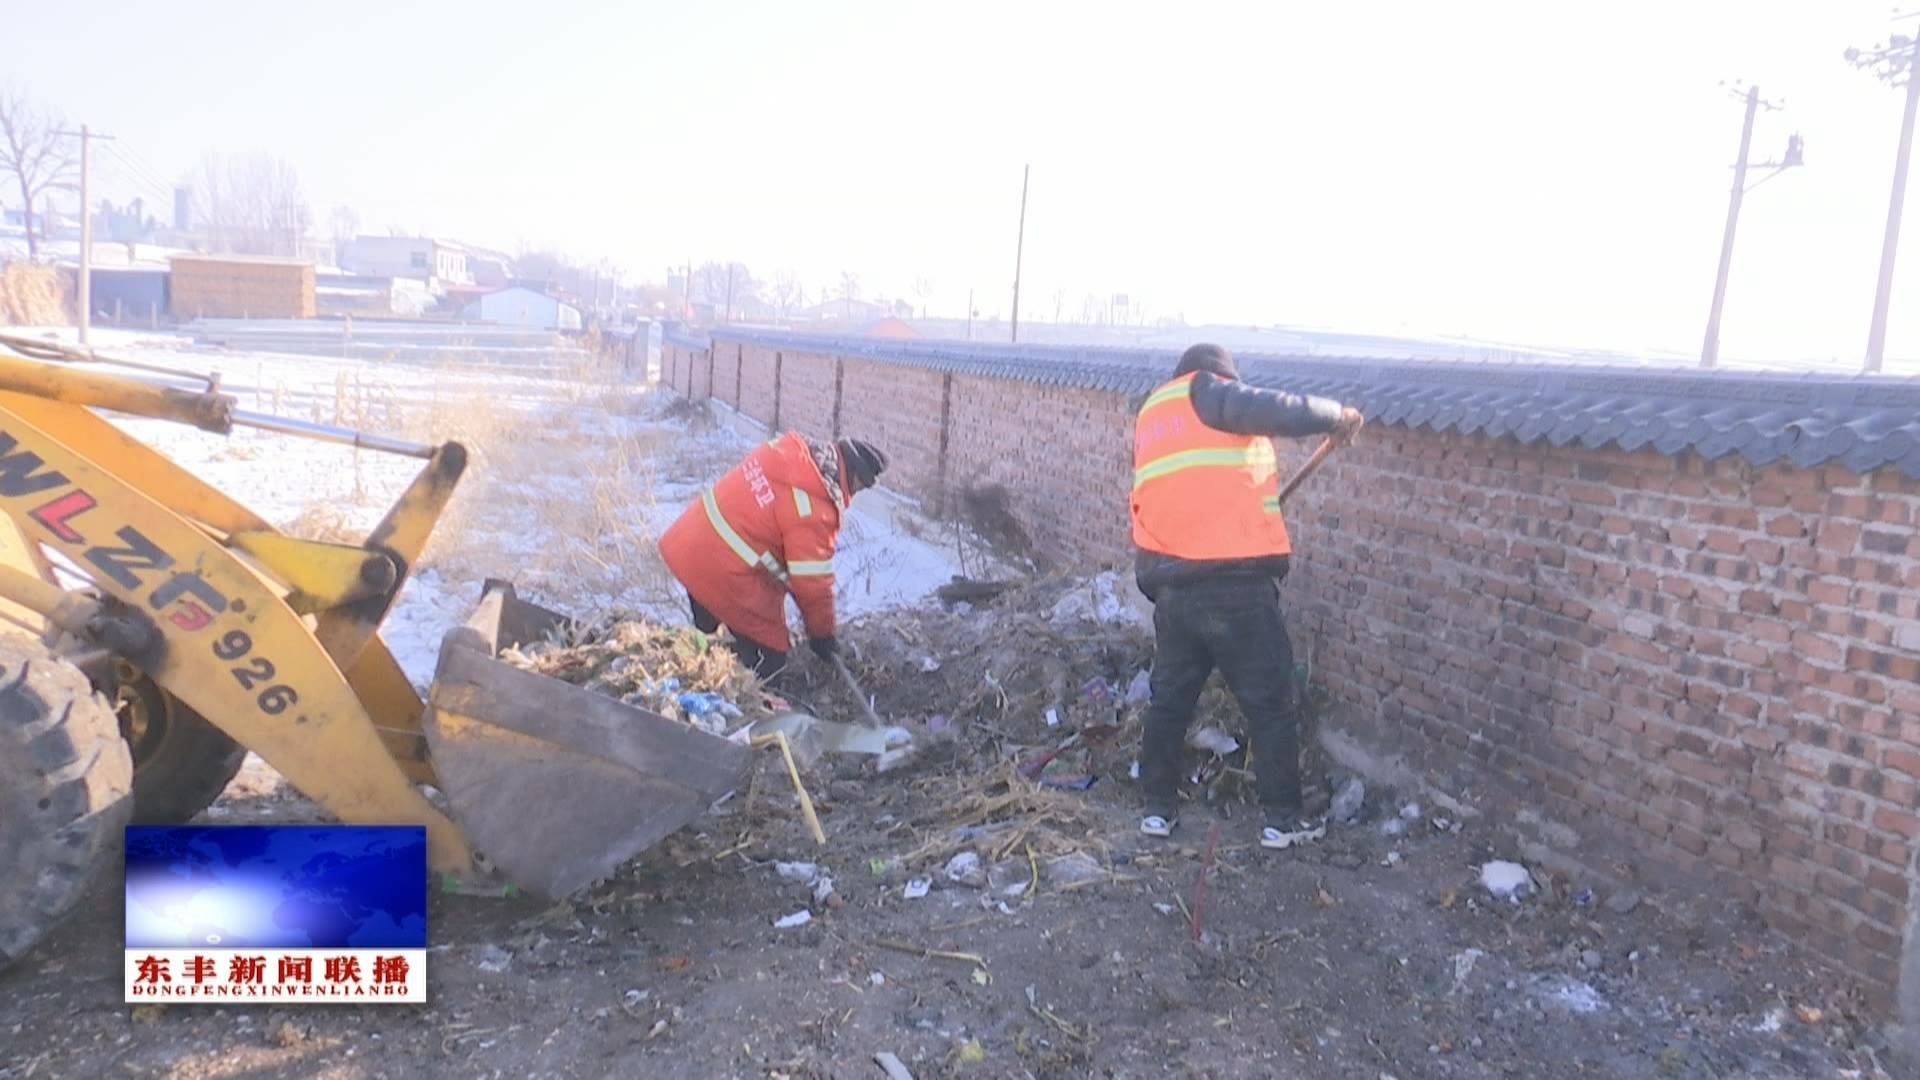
(154, 630)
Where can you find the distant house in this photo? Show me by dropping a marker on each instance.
(489, 270)
(122, 293)
(888, 327)
(242, 286)
(520, 306)
(455, 298)
(419, 257)
(843, 310)
(354, 294)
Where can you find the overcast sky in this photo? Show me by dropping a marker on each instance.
(1542, 172)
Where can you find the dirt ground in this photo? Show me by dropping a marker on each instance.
(1369, 955)
(1374, 954)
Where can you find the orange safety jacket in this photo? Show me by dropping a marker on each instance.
(775, 513)
(1200, 493)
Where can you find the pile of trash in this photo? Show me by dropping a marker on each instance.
(1051, 673)
(677, 672)
(1028, 667)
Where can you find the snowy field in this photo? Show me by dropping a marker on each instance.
(571, 478)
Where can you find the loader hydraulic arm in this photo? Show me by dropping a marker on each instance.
(206, 410)
(52, 373)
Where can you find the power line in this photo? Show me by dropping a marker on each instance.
(141, 185)
(139, 171)
(151, 175)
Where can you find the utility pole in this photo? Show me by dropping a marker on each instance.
(86, 137)
(1899, 57)
(1710, 350)
(969, 314)
(1019, 250)
(729, 315)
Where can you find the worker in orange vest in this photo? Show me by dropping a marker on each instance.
(769, 526)
(1212, 550)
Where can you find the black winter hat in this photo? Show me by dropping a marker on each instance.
(1208, 358)
(864, 461)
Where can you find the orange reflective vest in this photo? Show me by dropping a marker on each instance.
(774, 514)
(1202, 493)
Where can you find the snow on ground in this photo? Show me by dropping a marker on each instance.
(568, 485)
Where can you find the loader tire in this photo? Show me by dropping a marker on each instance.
(181, 762)
(66, 785)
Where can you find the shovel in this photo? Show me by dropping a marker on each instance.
(853, 684)
(871, 718)
(1320, 454)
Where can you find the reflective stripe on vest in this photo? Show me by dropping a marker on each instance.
(1174, 392)
(803, 503)
(1258, 455)
(733, 540)
(811, 568)
(1199, 492)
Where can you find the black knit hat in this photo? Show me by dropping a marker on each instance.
(864, 461)
(1209, 358)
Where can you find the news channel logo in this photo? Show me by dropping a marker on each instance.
(276, 913)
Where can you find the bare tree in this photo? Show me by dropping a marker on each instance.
(849, 289)
(1059, 303)
(923, 288)
(1091, 310)
(346, 225)
(33, 151)
(252, 205)
(787, 293)
(729, 286)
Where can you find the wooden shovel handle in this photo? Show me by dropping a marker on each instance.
(1320, 455)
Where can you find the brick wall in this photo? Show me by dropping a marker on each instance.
(809, 400)
(726, 373)
(758, 384)
(897, 409)
(1699, 675)
(241, 287)
(1693, 664)
(1064, 454)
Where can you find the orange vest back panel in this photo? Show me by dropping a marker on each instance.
(1201, 493)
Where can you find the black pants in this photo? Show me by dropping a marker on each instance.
(1234, 624)
(765, 663)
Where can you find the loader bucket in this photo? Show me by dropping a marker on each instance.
(554, 785)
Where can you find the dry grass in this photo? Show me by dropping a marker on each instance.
(327, 524)
(563, 466)
(983, 525)
(560, 493)
(695, 414)
(598, 520)
(999, 814)
(33, 295)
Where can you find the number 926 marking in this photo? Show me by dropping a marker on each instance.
(234, 646)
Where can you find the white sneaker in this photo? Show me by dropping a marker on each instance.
(1292, 833)
(1155, 825)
